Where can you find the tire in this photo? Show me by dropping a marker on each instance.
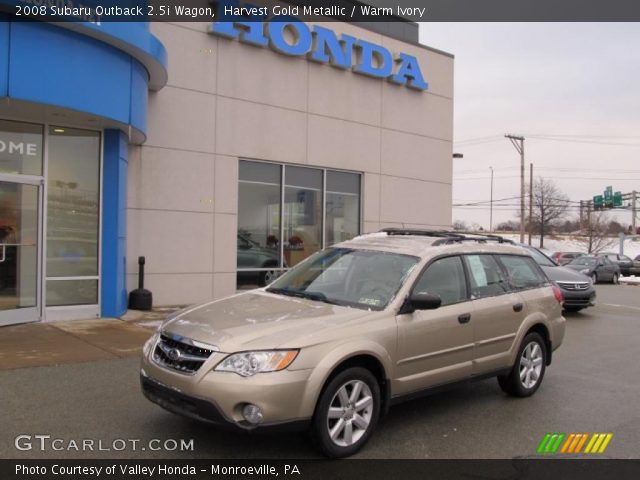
(616, 279)
(573, 309)
(361, 422)
(594, 278)
(266, 277)
(513, 384)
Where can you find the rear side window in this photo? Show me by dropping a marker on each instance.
(444, 277)
(522, 272)
(485, 276)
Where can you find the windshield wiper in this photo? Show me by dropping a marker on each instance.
(317, 296)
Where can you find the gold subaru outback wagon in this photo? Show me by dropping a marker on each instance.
(333, 343)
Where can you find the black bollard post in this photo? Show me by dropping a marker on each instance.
(140, 298)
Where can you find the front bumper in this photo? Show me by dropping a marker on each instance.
(585, 298)
(206, 410)
(219, 397)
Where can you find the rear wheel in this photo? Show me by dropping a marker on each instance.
(616, 279)
(594, 278)
(525, 377)
(347, 412)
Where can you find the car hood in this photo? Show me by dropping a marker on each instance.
(564, 274)
(260, 320)
(579, 267)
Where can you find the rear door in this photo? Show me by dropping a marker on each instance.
(497, 313)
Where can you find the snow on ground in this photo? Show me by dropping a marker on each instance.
(573, 244)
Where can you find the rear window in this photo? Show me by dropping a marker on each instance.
(522, 272)
(485, 276)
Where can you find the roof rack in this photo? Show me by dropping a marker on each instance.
(447, 237)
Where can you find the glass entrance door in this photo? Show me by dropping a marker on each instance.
(19, 252)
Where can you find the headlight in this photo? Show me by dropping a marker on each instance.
(584, 272)
(248, 364)
(149, 344)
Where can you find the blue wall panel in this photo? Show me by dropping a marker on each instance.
(5, 28)
(114, 224)
(54, 66)
(139, 95)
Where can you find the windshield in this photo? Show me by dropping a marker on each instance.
(541, 259)
(589, 261)
(358, 278)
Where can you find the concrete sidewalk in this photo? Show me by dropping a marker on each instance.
(74, 341)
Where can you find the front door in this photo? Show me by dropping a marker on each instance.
(436, 346)
(19, 249)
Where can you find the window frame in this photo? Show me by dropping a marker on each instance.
(282, 268)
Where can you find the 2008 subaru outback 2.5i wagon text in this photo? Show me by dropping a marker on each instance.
(335, 341)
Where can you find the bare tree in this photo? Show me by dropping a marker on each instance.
(549, 206)
(460, 225)
(595, 239)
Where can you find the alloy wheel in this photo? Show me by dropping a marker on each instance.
(269, 276)
(531, 365)
(350, 413)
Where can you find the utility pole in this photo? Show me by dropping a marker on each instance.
(491, 204)
(518, 143)
(530, 201)
(634, 212)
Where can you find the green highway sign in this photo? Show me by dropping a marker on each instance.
(609, 199)
(598, 201)
(617, 199)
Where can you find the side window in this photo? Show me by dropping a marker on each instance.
(485, 276)
(444, 277)
(522, 272)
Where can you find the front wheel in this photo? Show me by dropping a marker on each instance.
(347, 413)
(266, 277)
(525, 377)
(616, 279)
(594, 278)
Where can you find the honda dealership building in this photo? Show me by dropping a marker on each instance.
(222, 152)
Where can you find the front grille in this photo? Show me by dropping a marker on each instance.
(574, 286)
(181, 355)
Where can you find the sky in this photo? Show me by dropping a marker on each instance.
(571, 89)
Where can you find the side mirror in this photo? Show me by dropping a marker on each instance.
(421, 301)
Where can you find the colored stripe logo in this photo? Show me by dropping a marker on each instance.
(563, 443)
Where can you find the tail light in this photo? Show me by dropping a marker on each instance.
(558, 294)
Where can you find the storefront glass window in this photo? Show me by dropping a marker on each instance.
(281, 216)
(343, 206)
(73, 197)
(258, 221)
(20, 148)
(302, 214)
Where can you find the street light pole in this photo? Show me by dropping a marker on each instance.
(518, 143)
(530, 201)
(491, 204)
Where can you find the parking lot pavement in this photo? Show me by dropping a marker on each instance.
(593, 385)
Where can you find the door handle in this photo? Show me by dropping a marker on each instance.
(464, 318)
(517, 307)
